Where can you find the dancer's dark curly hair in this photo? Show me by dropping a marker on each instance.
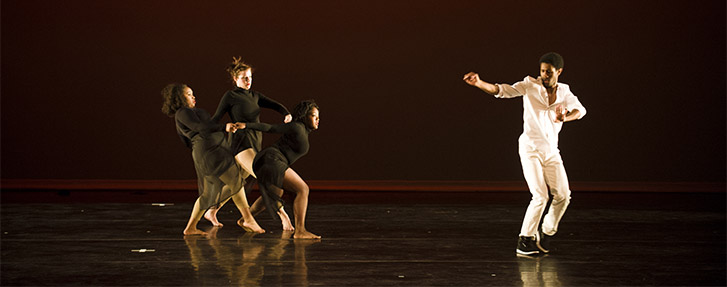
(303, 109)
(173, 95)
(236, 67)
(554, 59)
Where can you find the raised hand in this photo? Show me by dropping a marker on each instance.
(471, 78)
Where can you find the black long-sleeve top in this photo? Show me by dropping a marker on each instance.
(293, 142)
(244, 106)
(192, 122)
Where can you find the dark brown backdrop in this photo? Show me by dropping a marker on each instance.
(81, 82)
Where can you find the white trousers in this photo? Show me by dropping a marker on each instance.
(544, 172)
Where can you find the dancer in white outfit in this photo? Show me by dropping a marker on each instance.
(547, 104)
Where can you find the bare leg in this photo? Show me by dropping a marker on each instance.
(194, 218)
(211, 214)
(247, 221)
(245, 159)
(235, 177)
(284, 218)
(292, 181)
(258, 206)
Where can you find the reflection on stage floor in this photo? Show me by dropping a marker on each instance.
(655, 239)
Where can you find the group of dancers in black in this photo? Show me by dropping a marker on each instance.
(227, 156)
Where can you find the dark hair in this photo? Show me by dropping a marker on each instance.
(173, 95)
(554, 59)
(236, 67)
(303, 109)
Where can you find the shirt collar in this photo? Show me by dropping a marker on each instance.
(242, 90)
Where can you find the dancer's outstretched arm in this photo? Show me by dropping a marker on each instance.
(473, 79)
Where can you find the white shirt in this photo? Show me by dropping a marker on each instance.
(540, 131)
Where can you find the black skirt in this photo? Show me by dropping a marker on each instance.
(213, 161)
(245, 139)
(269, 166)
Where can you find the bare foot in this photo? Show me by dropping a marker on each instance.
(285, 220)
(250, 227)
(194, 231)
(211, 216)
(302, 234)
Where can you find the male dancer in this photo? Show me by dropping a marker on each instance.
(547, 104)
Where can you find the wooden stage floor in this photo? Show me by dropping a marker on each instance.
(369, 239)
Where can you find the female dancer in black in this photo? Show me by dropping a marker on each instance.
(272, 164)
(219, 177)
(243, 105)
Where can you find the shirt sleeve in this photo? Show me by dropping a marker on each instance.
(512, 91)
(269, 103)
(222, 108)
(268, 128)
(572, 103)
(190, 119)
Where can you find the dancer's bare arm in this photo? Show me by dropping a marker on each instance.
(473, 79)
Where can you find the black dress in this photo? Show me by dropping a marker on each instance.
(271, 163)
(244, 106)
(213, 159)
